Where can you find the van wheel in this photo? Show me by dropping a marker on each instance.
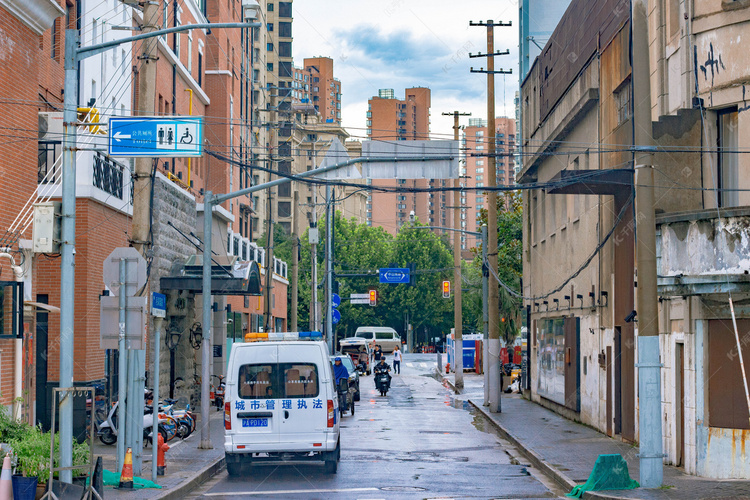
(332, 466)
(234, 464)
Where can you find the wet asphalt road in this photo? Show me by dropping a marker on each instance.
(417, 442)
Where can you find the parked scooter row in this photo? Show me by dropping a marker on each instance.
(172, 423)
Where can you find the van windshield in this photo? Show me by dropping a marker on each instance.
(278, 381)
(364, 335)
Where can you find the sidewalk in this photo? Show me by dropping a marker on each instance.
(566, 450)
(187, 465)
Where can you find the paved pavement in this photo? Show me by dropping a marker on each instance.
(567, 450)
(187, 465)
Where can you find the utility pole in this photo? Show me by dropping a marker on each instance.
(141, 228)
(494, 297)
(329, 271)
(295, 261)
(268, 288)
(458, 362)
(485, 317)
(649, 362)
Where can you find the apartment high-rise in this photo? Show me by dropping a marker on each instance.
(474, 174)
(392, 119)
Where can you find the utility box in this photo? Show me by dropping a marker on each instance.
(46, 230)
(312, 234)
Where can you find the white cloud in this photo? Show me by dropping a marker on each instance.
(410, 43)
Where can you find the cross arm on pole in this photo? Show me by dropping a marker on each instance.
(496, 53)
(499, 72)
(491, 23)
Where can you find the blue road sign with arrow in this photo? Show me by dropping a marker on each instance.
(335, 316)
(394, 275)
(156, 136)
(335, 300)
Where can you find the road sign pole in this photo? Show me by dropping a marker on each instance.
(122, 376)
(205, 354)
(155, 426)
(67, 267)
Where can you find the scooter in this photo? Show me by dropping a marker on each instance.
(346, 398)
(218, 392)
(382, 382)
(108, 429)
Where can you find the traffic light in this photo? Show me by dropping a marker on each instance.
(373, 297)
(446, 289)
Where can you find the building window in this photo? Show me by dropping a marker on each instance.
(269, 66)
(269, 7)
(622, 101)
(269, 47)
(480, 170)
(480, 178)
(480, 163)
(269, 27)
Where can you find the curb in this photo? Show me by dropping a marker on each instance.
(186, 487)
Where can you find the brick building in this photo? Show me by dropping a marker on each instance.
(393, 119)
(474, 142)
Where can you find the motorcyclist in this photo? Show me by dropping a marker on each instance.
(339, 370)
(382, 367)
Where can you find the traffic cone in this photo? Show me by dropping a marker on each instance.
(6, 480)
(126, 478)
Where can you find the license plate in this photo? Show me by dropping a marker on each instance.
(254, 422)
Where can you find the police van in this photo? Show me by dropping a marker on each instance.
(281, 403)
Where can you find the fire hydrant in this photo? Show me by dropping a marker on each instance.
(161, 465)
(447, 367)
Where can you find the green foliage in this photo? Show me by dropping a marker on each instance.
(31, 447)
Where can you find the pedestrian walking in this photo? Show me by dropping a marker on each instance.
(397, 360)
(377, 353)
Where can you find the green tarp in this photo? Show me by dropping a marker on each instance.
(113, 479)
(610, 473)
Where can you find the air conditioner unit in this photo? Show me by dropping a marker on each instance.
(51, 126)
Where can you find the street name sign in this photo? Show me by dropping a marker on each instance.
(360, 301)
(158, 305)
(156, 136)
(394, 275)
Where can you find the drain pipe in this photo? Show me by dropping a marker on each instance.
(18, 363)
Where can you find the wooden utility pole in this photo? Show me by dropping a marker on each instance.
(491, 194)
(649, 362)
(458, 341)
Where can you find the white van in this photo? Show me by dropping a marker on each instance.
(280, 404)
(385, 337)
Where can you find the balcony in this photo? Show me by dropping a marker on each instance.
(698, 253)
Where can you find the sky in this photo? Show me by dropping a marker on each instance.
(410, 43)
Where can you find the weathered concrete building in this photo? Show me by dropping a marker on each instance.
(579, 263)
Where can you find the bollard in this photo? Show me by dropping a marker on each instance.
(6, 480)
(440, 362)
(161, 465)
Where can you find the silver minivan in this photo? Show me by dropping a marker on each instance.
(280, 405)
(387, 338)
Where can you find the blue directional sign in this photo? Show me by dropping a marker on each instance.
(394, 275)
(156, 136)
(335, 300)
(335, 316)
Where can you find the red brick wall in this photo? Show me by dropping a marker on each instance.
(99, 230)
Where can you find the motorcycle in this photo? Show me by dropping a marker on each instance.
(218, 393)
(346, 397)
(382, 382)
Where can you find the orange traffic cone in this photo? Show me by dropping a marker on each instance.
(6, 480)
(126, 478)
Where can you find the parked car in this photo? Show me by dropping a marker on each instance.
(353, 374)
(281, 403)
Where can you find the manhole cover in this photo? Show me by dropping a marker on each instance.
(402, 488)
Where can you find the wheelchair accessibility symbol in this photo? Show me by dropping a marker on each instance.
(186, 137)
